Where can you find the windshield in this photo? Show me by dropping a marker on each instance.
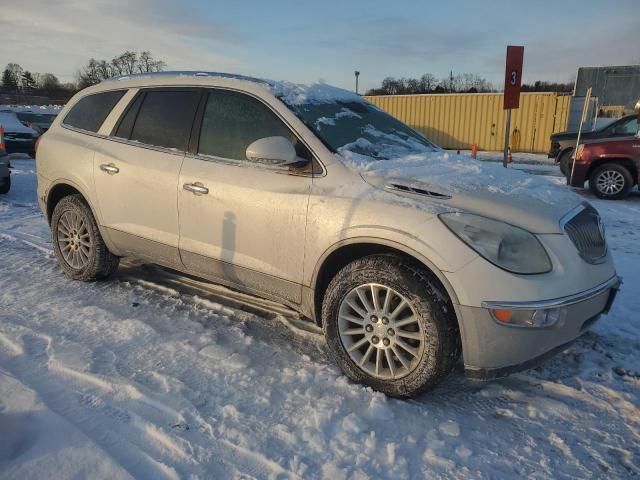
(361, 128)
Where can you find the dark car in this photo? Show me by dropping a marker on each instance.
(40, 122)
(17, 137)
(610, 166)
(563, 143)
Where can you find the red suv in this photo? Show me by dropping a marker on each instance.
(611, 167)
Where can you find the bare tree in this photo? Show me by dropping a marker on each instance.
(127, 63)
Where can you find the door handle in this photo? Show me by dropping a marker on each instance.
(197, 188)
(110, 168)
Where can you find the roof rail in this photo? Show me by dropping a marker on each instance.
(186, 73)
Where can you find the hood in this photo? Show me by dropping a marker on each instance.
(461, 182)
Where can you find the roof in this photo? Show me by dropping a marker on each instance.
(290, 93)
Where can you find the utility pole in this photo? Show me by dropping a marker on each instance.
(357, 75)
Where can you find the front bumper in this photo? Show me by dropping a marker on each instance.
(579, 175)
(494, 350)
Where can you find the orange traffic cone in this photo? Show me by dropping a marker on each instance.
(474, 150)
(509, 156)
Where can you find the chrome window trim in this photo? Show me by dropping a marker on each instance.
(613, 282)
(247, 164)
(127, 142)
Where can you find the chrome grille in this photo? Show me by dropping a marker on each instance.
(586, 231)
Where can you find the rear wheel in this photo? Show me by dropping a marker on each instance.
(77, 243)
(389, 325)
(610, 181)
(5, 185)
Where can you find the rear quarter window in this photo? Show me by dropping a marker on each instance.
(91, 111)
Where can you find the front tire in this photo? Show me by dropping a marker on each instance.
(389, 325)
(565, 162)
(77, 243)
(611, 181)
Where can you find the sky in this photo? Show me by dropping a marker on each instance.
(325, 40)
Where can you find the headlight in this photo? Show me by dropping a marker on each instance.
(510, 248)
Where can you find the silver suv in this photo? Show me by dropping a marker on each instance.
(306, 194)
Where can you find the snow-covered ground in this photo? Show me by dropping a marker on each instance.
(155, 375)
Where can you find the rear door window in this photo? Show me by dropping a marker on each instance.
(91, 111)
(164, 119)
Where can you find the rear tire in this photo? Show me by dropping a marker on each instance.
(565, 162)
(5, 186)
(77, 243)
(372, 352)
(610, 181)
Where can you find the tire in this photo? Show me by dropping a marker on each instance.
(610, 181)
(433, 328)
(5, 186)
(77, 243)
(565, 161)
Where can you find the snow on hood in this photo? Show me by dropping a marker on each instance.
(480, 187)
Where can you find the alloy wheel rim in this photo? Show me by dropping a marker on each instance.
(610, 182)
(380, 331)
(74, 239)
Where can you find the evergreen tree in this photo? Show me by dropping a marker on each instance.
(28, 82)
(8, 80)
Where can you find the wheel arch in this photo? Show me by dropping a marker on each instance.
(563, 151)
(61, 189)
(346, 251)
(625, 162)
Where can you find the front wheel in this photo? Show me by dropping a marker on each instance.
(611, 181)
(565, 162)
(389, 325)
(77, 243)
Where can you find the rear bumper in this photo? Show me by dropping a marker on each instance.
(20, 146)
(493, 350)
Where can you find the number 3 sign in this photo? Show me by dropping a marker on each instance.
(513, 77)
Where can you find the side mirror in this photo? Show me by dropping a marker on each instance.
(272, 151)
(637, 109)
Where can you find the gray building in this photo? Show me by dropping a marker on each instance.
(615, 91)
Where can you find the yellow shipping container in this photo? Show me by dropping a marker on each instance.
(457, 121)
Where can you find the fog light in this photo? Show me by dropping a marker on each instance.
(527, 318)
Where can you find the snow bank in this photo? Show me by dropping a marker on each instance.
(48, 109)
(152, 375)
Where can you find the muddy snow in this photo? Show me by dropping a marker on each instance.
(155, 375)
